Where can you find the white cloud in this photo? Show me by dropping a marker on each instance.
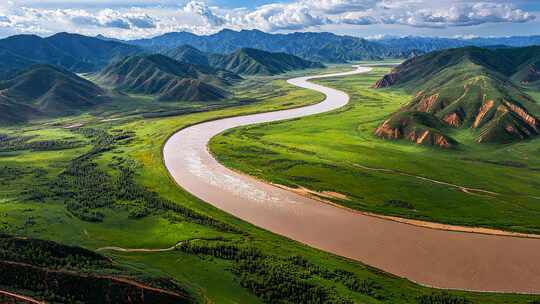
(339, 6)
(274, 17)
(124, 21)
(203, 10)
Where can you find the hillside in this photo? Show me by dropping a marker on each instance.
(465, 88)
(256, 62)
(45, 91)
(245, 61)
(74, 52)
(188, 54)
(167, 78)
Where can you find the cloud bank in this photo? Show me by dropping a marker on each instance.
(124, 21)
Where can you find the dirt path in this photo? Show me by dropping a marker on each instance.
(439, 255)
(120, 249)
(468, 190)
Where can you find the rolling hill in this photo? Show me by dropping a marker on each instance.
(168, 79)
(74, 52)
(46, 91)
(465, 88)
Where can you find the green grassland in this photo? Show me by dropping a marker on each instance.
(338, 152)
(105, 185)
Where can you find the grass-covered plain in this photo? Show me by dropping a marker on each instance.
(111, 189)
(338, 152)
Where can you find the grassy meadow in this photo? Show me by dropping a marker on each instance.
(104, 184)
(338, 152)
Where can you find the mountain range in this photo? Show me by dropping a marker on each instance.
(322, 47)
(244, 61)
(325, 47)
(73, 52)
(429, 44)
(466, 88)
(37, 77)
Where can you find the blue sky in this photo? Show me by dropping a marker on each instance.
(366, 18)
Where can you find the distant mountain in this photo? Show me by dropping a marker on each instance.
(46, 91)
(429, 44)
(423, 44)
(168, 79)
(188, 54)
(74, 52)
(470, 87)
(249, 61)
(10, 63)
(323, 47)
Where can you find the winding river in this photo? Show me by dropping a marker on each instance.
(432, 257)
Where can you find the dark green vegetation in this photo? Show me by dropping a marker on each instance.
(339, 152)
(468, 88)
(168, 79)
(112, 189)
(188, 54)
(256, 62)
(74, 52)
(44, 90)
(67, 274)
(245, 61)
(20, 143)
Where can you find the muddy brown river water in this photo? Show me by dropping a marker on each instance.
(438, 258)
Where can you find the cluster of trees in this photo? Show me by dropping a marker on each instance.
(86, 188)
(283, 280)
(129, 190)
(10, 172)
(68, 274)
(365, 286)
(18, 143)
(442, 298)
(49, 254)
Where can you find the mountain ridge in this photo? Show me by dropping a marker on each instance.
(168, 79)
(304, 45)
(74, 52)
(243, 61)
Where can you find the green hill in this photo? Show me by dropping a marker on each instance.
(465, 88)
(44, 91)
(249, 61)
(167, 78)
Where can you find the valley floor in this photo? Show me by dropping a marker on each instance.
(105, 185)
